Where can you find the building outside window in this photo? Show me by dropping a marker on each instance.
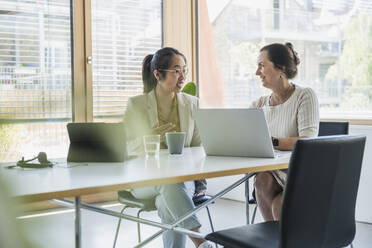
(333, 40)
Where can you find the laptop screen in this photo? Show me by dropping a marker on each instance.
(234, 132)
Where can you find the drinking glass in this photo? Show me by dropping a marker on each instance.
(152, 145)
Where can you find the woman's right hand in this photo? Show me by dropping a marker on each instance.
(169, 127)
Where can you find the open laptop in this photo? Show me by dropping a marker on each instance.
(234, 132)
(96, 142)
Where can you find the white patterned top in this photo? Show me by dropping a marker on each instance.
(296, 117)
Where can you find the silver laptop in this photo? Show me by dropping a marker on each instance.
(234, 132)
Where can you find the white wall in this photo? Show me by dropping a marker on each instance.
(364, 201)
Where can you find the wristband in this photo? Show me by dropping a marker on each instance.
(275, 141)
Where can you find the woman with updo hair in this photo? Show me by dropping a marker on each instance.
(291, 111)
(164, 108)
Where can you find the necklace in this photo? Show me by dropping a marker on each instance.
(288, 92)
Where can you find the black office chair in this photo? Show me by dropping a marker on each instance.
(126, 198)
(325, 169)
(326, 128)
(333, 128)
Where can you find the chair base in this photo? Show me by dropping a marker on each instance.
(126, 198)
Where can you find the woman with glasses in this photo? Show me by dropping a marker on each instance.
(164, 108)
(291, 112)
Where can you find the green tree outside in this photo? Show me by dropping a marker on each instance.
(355, 64)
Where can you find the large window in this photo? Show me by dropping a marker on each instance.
(37, 94)
(35, 77)
(123, 33)
(332, 38)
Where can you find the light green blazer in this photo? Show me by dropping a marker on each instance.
(141, 116)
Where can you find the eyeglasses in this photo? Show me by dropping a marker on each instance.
(179, 72)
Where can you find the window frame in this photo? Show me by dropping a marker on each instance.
(81, 49)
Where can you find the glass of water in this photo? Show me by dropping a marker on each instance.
(152, 145)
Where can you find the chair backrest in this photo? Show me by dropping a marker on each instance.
(333, 128)
(319, 200)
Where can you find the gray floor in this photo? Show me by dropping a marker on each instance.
(48, 229)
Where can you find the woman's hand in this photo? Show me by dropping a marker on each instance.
(197, 194)
(286, 144)
(169, 127)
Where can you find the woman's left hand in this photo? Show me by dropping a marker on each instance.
(197, 194)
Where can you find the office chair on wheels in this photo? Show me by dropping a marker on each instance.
(326, 128)
(147, 205)
(325, 170)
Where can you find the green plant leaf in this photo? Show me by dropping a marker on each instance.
(190, 88)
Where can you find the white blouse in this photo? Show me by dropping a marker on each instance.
(296, 117)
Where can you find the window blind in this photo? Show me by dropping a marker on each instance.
(35, 59)
(123, 33)
(35, 78)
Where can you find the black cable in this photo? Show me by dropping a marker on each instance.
(41, 157)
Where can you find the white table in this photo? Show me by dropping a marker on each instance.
(77, 179)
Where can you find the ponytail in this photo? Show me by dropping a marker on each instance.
(148, 78)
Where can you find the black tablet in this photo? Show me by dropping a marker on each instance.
(96, 142)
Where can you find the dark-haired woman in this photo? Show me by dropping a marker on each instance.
(163, 108)
(291, 112)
